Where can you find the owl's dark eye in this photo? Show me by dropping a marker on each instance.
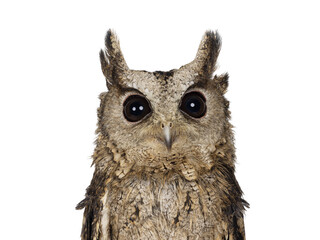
(193, 104)
(135, 108)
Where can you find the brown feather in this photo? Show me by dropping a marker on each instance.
(141, 189)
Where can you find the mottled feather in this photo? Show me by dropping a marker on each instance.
(141, 188)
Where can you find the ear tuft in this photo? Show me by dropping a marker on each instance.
(112, 61)
(106, 68)
(208, 52)
(213, 48)
(221, 82)
(104, 62)
(114, 53)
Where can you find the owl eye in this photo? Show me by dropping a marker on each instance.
(193, 104)
(135, 108)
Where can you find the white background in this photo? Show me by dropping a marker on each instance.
(50, 79)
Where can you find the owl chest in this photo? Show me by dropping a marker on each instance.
(161, 210)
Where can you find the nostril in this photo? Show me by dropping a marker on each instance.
(170, 125)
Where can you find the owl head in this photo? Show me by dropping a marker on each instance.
(162, 120)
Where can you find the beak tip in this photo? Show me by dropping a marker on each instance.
(167, 137)
(168, 145)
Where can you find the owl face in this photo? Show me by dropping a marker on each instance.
(159, 117)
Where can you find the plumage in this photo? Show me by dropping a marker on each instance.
(164, 156)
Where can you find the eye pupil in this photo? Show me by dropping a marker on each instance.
(193, 104)
(135, 108)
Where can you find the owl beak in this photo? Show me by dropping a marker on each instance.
(167, 137)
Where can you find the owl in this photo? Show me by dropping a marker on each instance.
(164, 157)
